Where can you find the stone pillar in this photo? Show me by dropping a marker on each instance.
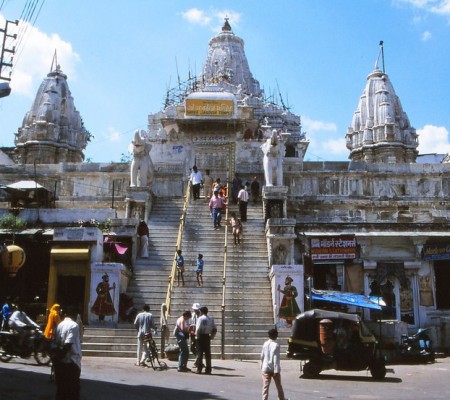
(274, 201)
(138, 203)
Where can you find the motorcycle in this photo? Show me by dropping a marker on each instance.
(417, 347)
(35, 344)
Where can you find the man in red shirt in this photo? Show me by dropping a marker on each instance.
(215, 205)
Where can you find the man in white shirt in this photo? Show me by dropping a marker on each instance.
(270, 365)
(243, 203)
(205, 330)
(67, 362)
(144, 324)
(196, 181)
(22, 323)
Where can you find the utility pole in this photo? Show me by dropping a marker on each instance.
(5, 89)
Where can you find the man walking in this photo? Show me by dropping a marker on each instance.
(144, 325)
(215, 206)
(67, 361)
(270, 365)
(243, 203)
(196, 181)
(205, 330)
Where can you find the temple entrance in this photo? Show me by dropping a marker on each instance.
(218, 158)
(71, 291)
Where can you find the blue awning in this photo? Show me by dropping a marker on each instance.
(351, 299)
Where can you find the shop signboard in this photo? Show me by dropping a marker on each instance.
(333, 248)
(439, 251)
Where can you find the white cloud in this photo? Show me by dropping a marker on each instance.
(441, 7)
(213, 18)
(310, 125)
(433, 139)
(426, 36)
(34, 56)
(114, 135)
(196, 16)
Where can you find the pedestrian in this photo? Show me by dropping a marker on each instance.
(236, 226)
(144, 324)
(196, 180)
(180, 267)
(143, 235)
(53, 320)
(67, 360)
(205, 330)
(270, 365)
(207, 185)
(243, 203)
(7, 311)
(254, 188)
(199, 270)
(215, 206)
(235, 187)
(181, 333)
(195, 315)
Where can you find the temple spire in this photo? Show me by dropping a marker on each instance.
(380, 54)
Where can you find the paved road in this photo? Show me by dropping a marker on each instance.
(118, 378)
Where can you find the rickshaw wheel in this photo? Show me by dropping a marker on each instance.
(311, 370)
(378, 369)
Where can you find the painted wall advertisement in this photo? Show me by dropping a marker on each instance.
(333, 248)
(287, 294)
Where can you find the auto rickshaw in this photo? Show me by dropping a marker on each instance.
(334, 340)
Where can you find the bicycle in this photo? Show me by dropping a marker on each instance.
(152, 352)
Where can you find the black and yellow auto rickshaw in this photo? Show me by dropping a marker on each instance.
(334, 340)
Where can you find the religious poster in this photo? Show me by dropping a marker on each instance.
(104, 294)
(287, 294)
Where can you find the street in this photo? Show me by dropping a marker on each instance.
(118, 378)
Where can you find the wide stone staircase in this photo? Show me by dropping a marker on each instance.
(248, 305)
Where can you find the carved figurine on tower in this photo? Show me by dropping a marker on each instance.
(273, 150)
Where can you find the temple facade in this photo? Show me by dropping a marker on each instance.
(375, 225)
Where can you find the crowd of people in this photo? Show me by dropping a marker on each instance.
(195, 326)
(63, 331)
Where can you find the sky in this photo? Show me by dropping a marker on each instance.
(122, 56)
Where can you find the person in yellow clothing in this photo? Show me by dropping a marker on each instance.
(54, 318)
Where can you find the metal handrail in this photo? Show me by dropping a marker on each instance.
(177, 247)
(224, 278)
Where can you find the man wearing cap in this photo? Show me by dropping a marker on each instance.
(195, 315)
(206, 330)
(215, 206)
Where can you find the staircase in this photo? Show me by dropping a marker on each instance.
(148, 285)
(248, 304)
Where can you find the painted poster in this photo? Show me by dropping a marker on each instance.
(104, 296)
(287, 294)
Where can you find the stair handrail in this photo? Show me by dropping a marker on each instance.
(224, 278)
(177, 247)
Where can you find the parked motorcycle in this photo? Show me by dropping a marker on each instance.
(35, 345)
(417, 347)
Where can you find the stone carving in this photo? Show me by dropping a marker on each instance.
(142, 163)
(273, 160)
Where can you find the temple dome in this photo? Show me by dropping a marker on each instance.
(380, 130)
(53, 130)
(226, 64)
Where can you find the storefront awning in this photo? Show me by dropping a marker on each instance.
(351, 299)
(70, 254)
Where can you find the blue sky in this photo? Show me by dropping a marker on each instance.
(122, 56)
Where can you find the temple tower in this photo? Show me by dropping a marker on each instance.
(380, 131)
(52, 131)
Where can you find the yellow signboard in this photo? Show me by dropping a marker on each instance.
(209, 108)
